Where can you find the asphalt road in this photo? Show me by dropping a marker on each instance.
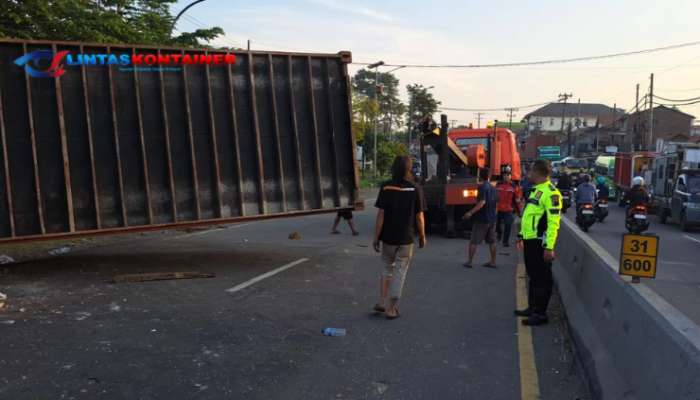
(76, 336)
(678, 271)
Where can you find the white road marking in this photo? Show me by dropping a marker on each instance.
(213, 230)
(693, 239)
(677, 263)
(267, 275)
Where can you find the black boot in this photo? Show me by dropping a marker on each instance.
(523, 313)
(536, 320)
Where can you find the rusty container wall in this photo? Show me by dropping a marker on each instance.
(102, 150)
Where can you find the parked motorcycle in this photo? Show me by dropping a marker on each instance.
(586, 217)
(636, 221)
(565, 200)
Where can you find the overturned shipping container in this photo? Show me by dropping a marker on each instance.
(95, 145)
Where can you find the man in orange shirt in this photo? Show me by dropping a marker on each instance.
(508, 202)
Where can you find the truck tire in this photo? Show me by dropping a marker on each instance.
(684, 222)
(661, 215)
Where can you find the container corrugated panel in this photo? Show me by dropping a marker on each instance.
(103, 149)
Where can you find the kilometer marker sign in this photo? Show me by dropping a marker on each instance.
(638, 255)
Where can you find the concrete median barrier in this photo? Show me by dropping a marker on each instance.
(631, 343)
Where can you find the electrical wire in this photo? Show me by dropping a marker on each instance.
(677, 104)
(677, 90)
(558, 61)
(205, 26)
(676, 101)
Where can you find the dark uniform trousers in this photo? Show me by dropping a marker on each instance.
(540, 273)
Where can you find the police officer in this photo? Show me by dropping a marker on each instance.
(538, 233)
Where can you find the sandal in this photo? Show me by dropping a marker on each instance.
(488, 265)
(335, 232)
(398, 314)
(379, 308)
(355, 233)
(466, 264)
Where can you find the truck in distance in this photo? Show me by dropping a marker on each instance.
(675, 186)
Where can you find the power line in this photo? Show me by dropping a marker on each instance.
(676, 104)
(493, 109)
(677, 90)
(205, 26)
(677, 101)
(558, 61)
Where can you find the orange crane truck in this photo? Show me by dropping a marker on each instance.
(453, 190)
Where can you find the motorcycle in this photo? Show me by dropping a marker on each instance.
(566, 201)
(586, 217)
(636, 221)
(601, 209)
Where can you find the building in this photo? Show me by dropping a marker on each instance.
(695, 130)
(548, 119)
(666, 121)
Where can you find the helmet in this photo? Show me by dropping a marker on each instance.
(564, 173)
(637, 181)
(601, 180)
(586, 177)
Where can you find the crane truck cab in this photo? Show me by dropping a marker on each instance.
(453, 190)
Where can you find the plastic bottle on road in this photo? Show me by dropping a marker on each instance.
(333, 332)
(60, 250)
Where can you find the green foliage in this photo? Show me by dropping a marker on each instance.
(386, 153)
(424, 104)
(391, 108)
(141, 22)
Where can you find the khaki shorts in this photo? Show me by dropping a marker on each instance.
(483, 231)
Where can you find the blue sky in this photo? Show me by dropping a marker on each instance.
(474, 32)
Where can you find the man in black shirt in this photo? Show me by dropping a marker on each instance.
(401, 205)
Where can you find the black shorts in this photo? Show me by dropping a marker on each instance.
(345, 214)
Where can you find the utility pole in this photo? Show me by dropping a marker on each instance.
(376, 117)
(569, 137)
(453, 123)
(578, 124)
(478, 119)
(651, 113)
(510, 116)
(635, 128)
(564, 97)
(248, 44)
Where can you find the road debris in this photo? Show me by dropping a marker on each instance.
(6, 259)
(381, 386)
(295, 235)
(8, 322)
(3, 297)
(60, 250)
(161, 276)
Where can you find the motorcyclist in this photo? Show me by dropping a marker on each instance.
(603, 191)
(637, 196)
(585, 193)
(565, 182)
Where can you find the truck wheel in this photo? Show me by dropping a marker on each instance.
(684, 222)
(661, 215)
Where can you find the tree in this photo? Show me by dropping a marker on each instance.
(386, 153)
(391, 108)
(140, 22)
(424, 104)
